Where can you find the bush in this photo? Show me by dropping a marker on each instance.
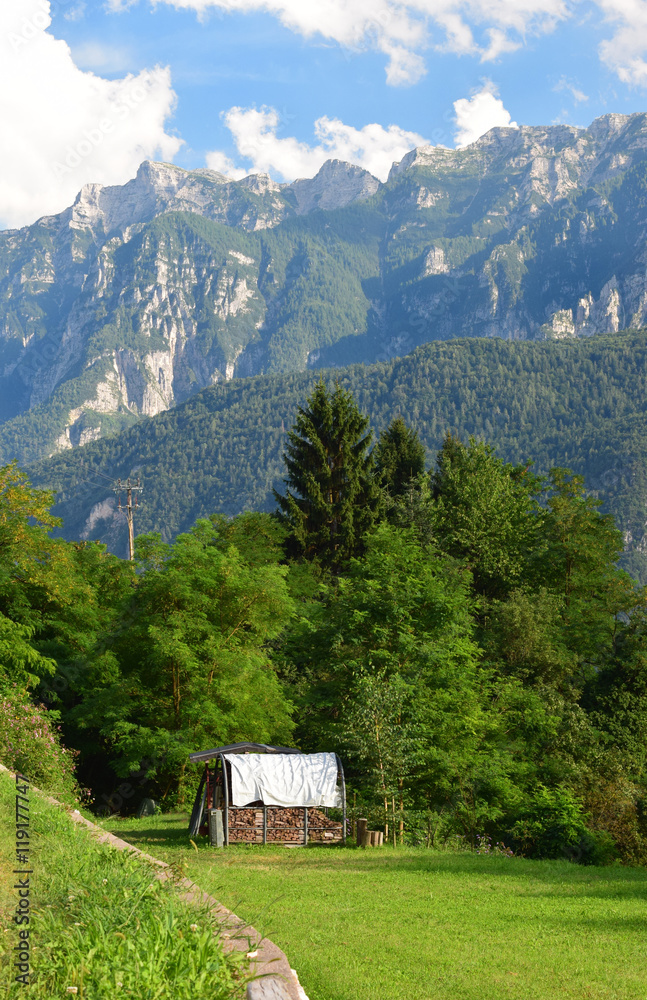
(596, 847)
(551, 824)
(30, 744)
(554, 825)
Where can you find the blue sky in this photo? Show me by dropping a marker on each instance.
(92, 88)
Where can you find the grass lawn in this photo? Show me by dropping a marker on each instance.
(101, 926)
(415, 924)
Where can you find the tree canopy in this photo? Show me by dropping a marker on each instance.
(463, 637)
(332, 498)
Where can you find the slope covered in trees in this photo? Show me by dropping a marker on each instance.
(477, 657)
(528, 233)
(574, 403)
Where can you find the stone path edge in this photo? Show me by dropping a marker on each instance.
(274, 978)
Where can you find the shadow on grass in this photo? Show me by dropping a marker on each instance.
(165, 830)
(170, 832)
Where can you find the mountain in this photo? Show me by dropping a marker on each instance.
(574, 402)
(139, 296)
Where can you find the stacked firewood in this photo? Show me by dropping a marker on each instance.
(284, 826)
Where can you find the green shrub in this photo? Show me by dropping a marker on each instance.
(554, 825)
(30, 744)
(596, 847)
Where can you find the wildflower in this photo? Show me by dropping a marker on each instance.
(105, 881)
(194, 927)
(72, 989)
(252, 954)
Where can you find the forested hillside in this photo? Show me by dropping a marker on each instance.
(463, 638)
(137, 297)
(576, 403)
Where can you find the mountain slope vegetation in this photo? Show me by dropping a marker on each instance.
(577, 403)
(137, 297)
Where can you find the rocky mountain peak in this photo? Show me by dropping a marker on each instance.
(259, 184)
(543, 163)
(518, 235)
(336, 185)
(157, 188)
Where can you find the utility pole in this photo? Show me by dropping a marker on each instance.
(129, 509)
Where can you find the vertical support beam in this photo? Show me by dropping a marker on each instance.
(264, 825)
(131, 527)
(305, 826)
(205, 802)
(340, 770)
(216, 831)
(225, 789)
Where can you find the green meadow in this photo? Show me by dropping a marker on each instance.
(417, 924)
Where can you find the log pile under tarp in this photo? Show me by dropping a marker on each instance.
(284, 826)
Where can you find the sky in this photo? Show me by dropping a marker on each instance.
(90, 88)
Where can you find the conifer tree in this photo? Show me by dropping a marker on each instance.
(332, 497)
(399, 457)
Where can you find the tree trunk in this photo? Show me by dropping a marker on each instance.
(393, 804)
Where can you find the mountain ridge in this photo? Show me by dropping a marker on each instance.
(576, 403)
(138, 296)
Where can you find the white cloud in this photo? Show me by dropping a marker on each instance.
(477, 114)
(224, 165)
(62, 127)
(625, 52)
(255, 132)
(565, 84)
(498, 43)
(100, 57)
(402, 29)
(76, 12)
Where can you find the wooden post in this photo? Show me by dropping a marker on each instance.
(362, 825)
(216, 829)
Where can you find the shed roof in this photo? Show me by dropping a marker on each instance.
(203, 755)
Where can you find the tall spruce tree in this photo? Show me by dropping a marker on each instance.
(332, 497)
(399, 457)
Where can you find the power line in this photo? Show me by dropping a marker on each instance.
(97, 472)
(88, 482)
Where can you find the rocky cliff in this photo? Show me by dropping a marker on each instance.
(137, 296)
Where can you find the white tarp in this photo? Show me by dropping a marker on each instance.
(284, 779)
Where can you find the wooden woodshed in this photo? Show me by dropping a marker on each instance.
(257, 793)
